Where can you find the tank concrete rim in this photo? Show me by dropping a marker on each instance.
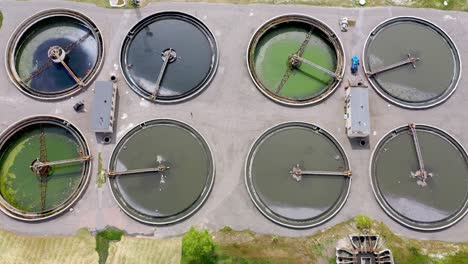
(30, 22)
(209, 33)
(458, 70)
(388, 209)
(256, 201)
(206, 191)
(341, 58)
(12, 212)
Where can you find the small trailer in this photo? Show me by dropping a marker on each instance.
(356, 115)
(103, 115)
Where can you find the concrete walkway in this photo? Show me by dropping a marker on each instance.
(231, 113)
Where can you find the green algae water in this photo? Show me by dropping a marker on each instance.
(272, 55)
(295, 60)
(20, 186)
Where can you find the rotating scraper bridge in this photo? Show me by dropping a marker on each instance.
(223, 107)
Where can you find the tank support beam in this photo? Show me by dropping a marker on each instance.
(421, 174)
(410, 60)
(300, 51)
(39, 164)
(49, 63)
(57, 55)
(161, 168)
(296, 61)
(297, 173)
(168, 56)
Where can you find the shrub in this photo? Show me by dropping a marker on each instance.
(198, 247)
(363, 222)
(102, 241)
(226, 229)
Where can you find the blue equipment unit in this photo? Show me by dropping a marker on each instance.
(354, 64)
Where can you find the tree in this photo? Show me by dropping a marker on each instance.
(198, 247)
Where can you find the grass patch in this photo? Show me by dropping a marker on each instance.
(105, 3)
(460, 257)
(139, 250)
(456, 5)
(1, 19)
(103, 239)
(461, 5)
(15, 248)
(226, 229)
(249, 247)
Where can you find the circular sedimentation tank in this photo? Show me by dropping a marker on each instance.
(419, 175)
(161, 171)
(44, 167)
(160, 66)
(297, 175)
(54, 54)
(411, 62)
(295, 59)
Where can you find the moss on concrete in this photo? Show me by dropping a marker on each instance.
(1, 19)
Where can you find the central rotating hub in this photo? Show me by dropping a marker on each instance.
(39, 170)
(294, 61)
(170, 54)
(56, 54)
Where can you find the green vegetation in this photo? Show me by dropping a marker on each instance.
(105, 3)
(103, 238)
(139, 250)
(101, 177)
(460, 257)
(226, 246)
(226, 229)
(15, 248)
(363, 223)
(249, 247)
(1, 19)
(460, 5)
(198, 247)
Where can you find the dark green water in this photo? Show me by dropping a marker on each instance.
(187, 74)
(33, 47)
(271, 60)
(434, 73)
(445, 193)
(311, 198)
(150, 194)
(20, 187)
